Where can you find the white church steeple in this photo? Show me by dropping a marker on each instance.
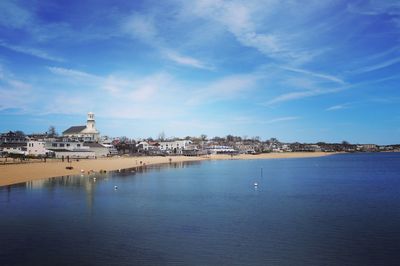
(90, 124)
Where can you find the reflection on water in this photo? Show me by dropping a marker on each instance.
(89, 181)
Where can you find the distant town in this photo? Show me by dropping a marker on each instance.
(86, 142)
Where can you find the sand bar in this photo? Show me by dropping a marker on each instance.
(18, 173)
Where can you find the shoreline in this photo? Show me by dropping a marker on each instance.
(20, 173)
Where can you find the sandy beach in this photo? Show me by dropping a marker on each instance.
(18, 173)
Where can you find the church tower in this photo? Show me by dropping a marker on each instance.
(85, 133)
(90, 124)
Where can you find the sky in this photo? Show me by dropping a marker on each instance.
(302, 71)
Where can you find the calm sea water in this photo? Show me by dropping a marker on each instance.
(337, 210)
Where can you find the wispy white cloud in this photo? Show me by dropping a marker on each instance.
(15, 93)
(378, 66)
(290, 96)
(252, 24)
(236, 17)
(129, 97)
(337, 107)
(31, 51)
(143, 27)
(76, 74)
(258, 120)
(225, 88)
(315, 74)
(282, 119)
(14, 16)
(138, 90)
(185, 60)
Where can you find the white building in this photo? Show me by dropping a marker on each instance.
(71, 149)
(85, 133)
(218, 149)
(99, 149)
(143, 145)
(111, 149)
(37, 148)
(14, 148)
(176, 146)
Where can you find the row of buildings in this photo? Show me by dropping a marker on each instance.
(75, 142)
(85, 142)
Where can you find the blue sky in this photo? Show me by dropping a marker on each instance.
(295, 70)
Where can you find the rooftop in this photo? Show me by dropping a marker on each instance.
(74, 129)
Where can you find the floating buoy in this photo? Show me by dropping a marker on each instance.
(115, 187)
(94, 178)
(255, 184)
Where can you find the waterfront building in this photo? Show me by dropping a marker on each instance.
(220, 149)
(13, 137)
(99, 150)
(14, 148)
(143, 145)
(37, 148)
(84, 133)
(368, 147)
(176, 146)
(71, 149)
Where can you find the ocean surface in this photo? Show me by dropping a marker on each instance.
(336, 210)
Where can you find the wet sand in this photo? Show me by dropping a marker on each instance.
(18, 173)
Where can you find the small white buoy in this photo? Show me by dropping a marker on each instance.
(115, 187)
(255, 184)
(94, 178)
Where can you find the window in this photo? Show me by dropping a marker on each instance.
(78, 145)
(54, 145)
(68, 144)
(62, 144)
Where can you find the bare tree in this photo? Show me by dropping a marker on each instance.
(161, 136)
(52, 132)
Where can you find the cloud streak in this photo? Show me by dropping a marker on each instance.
(316, 74)
(15, 93)
(337, 107)
(185, 60)
(226, 88)
(75, 74)
(31, 51)
(378, 66)
(143, 28)
(282, 119)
